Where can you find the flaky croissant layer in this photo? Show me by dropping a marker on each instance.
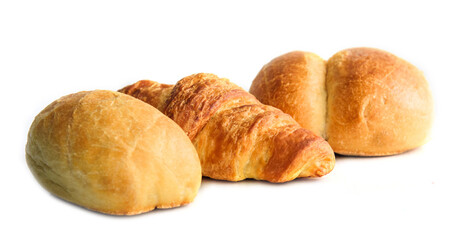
(235, 135)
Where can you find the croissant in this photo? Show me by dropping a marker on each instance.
(235, 135)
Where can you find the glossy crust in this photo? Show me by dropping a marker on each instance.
(151, 92)
(378, 104)
(237, 137)
(295, 83)
(111, 153)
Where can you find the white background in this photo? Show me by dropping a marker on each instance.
(52, 48)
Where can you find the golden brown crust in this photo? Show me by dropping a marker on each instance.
(90, 148)
(151, 92)
(295, 83)
(237, 137)
(378, 104)
(196, 98)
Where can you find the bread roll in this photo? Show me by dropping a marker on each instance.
(235, 135)
(112, 153)
(377, 104)
(295, 83)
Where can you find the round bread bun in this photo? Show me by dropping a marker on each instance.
(377, 104)
(112, 153)
(295, 83)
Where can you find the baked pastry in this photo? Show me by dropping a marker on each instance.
(112, 153)
(377, 104)
(295, 83)
(235, 135)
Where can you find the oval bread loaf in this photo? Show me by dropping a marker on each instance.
(112, 153)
